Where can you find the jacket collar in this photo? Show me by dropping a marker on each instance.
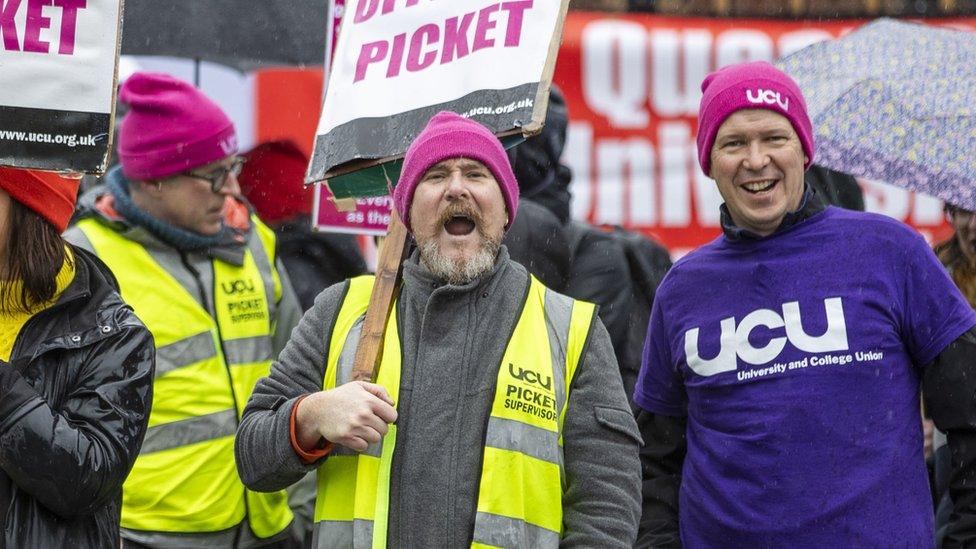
(810, 205)
(82, 314)
(100, 204)
(418, 277)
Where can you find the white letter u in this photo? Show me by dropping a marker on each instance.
(834, 339)
(725, 361)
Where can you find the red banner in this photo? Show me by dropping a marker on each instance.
(632, 88)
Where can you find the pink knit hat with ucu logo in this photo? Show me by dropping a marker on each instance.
(170, 128)
(754, 85)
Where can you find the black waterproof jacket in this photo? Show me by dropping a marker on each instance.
(314, 260)
(74, 403)
(538, 241)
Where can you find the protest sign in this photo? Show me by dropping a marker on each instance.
(371, 215)
(399, 62)
(632, 86)
(57, 83)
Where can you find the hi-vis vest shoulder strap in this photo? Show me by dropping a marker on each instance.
(185, 479)
(522, 479)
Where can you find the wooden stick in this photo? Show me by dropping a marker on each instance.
(369, 353)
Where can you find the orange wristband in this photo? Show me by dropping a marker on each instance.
(321, 449)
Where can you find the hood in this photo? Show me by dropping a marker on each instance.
(540, 175)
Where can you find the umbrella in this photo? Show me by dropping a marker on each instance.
(895, 101)
(243, 34)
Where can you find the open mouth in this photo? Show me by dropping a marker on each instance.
(459, 225)
(756, 187)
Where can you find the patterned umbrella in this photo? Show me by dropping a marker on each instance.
(896, 102)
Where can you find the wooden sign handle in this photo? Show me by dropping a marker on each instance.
(385, 289)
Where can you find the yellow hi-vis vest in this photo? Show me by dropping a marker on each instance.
(520, 497)
(185, 478)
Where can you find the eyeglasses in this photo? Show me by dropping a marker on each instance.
(218, 177)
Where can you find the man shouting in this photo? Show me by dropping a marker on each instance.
(511, 425)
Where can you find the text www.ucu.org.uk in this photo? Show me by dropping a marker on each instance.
(71, 140)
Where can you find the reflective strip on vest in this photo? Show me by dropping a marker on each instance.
(185, 479)
(527, 439)
(343, 533)
(190, 431)
(522, 480)
(559, 311)
(248, 349)
(184, 352)
(499, 531)
(263, 248)
(347, 359)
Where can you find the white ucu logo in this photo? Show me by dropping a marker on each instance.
(734, 340)
(768, 97)
(229, 144)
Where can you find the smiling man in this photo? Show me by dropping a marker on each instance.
(511, 425)
(784, 361)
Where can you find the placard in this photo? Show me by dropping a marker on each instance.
(57, 83)
(399, 62)
(371, 215)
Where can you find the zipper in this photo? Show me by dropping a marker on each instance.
(223, 353)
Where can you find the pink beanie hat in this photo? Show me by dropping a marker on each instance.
(448, 136)
(170, 127)
(755, 85)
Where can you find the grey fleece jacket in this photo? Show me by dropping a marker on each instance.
(453, 339)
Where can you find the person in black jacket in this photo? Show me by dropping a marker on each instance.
(618, 270)
(835, 188)
(76, 369)
(958, 255)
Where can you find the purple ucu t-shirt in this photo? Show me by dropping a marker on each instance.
(797, 360)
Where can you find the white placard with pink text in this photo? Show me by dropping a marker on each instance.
(57, 82)
(398, 62)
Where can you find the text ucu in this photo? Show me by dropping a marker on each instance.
(529, 376)
(237, 287)
(734, 340)
(768, 97)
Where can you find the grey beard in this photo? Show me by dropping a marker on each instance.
(458, 271)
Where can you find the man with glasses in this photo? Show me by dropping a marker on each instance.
(201, 273)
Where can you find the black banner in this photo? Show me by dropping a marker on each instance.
(53, 139)
(384, 137)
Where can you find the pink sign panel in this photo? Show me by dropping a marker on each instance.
(371, 216)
